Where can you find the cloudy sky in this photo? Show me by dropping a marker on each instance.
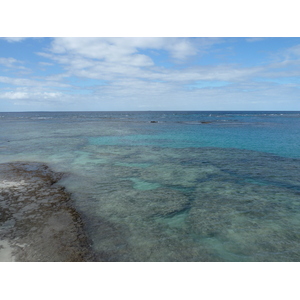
(47, 74)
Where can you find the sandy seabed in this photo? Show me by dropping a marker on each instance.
(37, 219)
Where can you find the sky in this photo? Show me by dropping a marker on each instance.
(148, 73)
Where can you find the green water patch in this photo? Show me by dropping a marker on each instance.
(219, 248)
(178, 175)
(258, 182)
(144, 185)
(84, 157)
(133, 139)
(133, 165)
(174, 220)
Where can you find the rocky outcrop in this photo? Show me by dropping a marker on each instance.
(37, 219)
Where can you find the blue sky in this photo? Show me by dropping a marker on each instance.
(69, 74)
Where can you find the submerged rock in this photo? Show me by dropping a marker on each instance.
(38, 222)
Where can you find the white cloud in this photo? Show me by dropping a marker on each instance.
(42, 63)
(30, 82)
(254, 39)
(129, 94)
(134, 81)
(286, 55)
(7, 61)
(15, 39)
(135, 94)
(113, 58)
(29, 95)
(125, 50)
(107, 49)
(84, 67)
(14, 95)
(11, 62)
(295, 50)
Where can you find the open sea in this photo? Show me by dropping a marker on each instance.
(172, 186)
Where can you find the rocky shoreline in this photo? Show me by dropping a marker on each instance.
(37, 219)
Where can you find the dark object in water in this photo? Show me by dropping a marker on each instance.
(153, 121)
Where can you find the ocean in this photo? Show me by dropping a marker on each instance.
(172, 185)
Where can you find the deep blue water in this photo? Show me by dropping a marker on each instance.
(273, 132)
(173, 186)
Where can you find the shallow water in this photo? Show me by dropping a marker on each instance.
(190, 186)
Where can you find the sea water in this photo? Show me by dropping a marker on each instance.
(172, 186)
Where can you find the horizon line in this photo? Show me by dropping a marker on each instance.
(64, 111)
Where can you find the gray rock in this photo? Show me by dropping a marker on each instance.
(37, 219)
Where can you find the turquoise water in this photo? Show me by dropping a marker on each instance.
(173, 186)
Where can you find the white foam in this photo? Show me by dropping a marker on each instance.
(9, 184)
(6, 252)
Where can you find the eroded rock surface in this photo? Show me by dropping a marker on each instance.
(37, 220)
